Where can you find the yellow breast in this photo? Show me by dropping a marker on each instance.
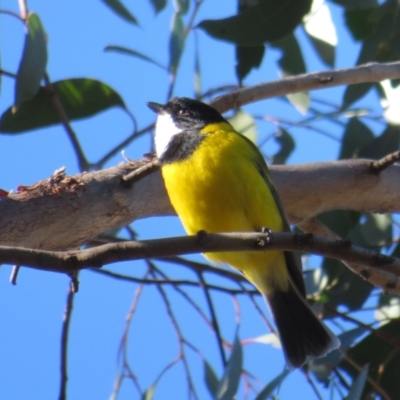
(219, 189)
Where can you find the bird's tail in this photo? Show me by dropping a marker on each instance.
(301, 333)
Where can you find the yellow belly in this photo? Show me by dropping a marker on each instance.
(220, 189)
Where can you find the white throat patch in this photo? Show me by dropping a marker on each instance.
(165, 129)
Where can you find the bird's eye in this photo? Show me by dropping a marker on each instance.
(184, 111)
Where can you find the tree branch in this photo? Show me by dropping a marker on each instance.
(64, 212)
(371, 72)
(387, 268)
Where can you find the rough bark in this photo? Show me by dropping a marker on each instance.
(63, 212)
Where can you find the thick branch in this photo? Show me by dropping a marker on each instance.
(72, 261)
(64, 212)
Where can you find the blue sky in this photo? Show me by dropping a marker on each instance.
(31, 312)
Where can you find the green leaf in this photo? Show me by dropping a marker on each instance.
(380, 350)
(268, 20)
(377, 230)
(320, 29)
(228, 385)
(381, 46)
(158, 5)
(390, 99)
(244, 124)
(292, 63)
(287, 144)
(358, 385)
(248, 58)
(344, 287)
(396, 251)
(322, 367)
(325, 50)
(33, 63)
(149, 393)
(350, 4)
(340, 221)
(359, 22)
(356, 136)
(121, 10)
(181, 6)
(80, 97)
(354, 93)
(133, 53)
(210, 379)
(271, 386)
(176, 42)
(386, 143)
(197, 73)
(388, 307)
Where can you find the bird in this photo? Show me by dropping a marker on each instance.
(218, 181)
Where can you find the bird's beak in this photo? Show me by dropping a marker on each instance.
(157, 108)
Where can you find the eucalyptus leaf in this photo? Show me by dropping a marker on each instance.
(248, 58)
(149, 393)
(80, 98)
(322, 367)
(32, 67)
(359, 22)
(355, 137)
(229, 382)
(381, 45)
(350, 4)
(292, 63)
(287, 144)
(380, 350)
(133, 53)
(121, 10)
(325, 50)
(267, 20)
(158, 5)
(386, 143)
(356, 389)
(268, 390)
(244, 124)
(210, 379)
(181, 6)
(176, 42)
(344, 287)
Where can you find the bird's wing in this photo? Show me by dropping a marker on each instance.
(293, 261)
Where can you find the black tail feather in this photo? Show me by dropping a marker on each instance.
(301, 333)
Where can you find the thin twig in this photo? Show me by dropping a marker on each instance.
(117, 149)
(181, 340)
(384, 336)
(64, 343)
(14, 274)
(6, 73)
(141, 172)
(312, 384)
(378, 166)
(186, 297)
(371, 381)
(172, 282)
(214, 318)
(13, 14)
(123, 347)
(59, 108)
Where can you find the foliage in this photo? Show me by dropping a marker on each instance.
(369, 364)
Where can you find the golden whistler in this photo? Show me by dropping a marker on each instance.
(218, 181)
